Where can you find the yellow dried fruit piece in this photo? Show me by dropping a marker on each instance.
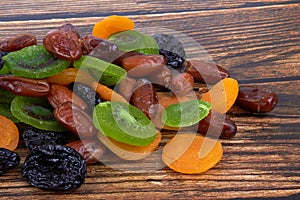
(189, 153)
(127, 151)
(222, 95)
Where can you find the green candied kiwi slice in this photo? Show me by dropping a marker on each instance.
(107, 73)
(6, 96)
(186, 113)
(132, 40)
(124, 123)
(5, 111)
(36, 112)
(34, 62)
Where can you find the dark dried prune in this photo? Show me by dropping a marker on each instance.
(171, 48)
(8, 160)
(36, 137)
(54, 167)
(86, 93)
(2, 53)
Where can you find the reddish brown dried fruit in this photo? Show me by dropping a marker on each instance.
(63, 45)
(206, 72)
(143, 65)
(144, 97)
(60, 94)
(25, 86)
(90, 150)
(75, 119)
(17, 43)
(182, 84)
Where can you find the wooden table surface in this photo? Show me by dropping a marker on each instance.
(257, 41)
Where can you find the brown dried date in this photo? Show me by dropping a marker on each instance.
(69, 28)
(75, 119)
(206, 72)
(255, 99)
(59, 94)
(182, 84)
(126, 87)
(215, 124)
(62, 45)
(90, 150)
(143, 65)
(144, 97)
(25, 86)
(18, 42)
(123, 55)
(99, 48)
(162, 78)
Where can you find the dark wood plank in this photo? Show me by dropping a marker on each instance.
(257, 42)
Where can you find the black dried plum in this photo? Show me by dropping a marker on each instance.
(8, 160)
(87, 94)
(171, 48)
(35, 137)
(54, 167)
(2, 53)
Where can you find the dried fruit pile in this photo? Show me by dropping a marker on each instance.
(78, 96)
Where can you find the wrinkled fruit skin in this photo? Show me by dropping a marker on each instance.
(54, 167)
(8, 160)
(17, 43)
(206, 72)
(35, 137)
(161, 79)
(258, 100)
(25, 86)
(59, 94)
(99, 48)
(215, 122)
(75, 119)
(90, 150)
(62, 45)
(70, 29)
(144, 97)
(143, 65)
(182, 84)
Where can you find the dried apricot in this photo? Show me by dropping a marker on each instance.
(112, 24)
(192, 154)
(127, 151)
(9, 134)
(222, 95)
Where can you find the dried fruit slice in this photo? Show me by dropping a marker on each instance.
(5, 111)
(192, 154)
(36, 112)
(34, 62)
(9, 134)
(112, 24)
(133, 40)
(6, 96)
(107, 73)
(222, 95)
(186, 113)
(124, 123)
(127, 151)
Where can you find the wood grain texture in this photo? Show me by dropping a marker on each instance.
(257, 41)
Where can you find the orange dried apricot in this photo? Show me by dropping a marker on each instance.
(112, 24)
(222, 95)
(107, 94)
(189, 153)
(9, 134)
(127, 151)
